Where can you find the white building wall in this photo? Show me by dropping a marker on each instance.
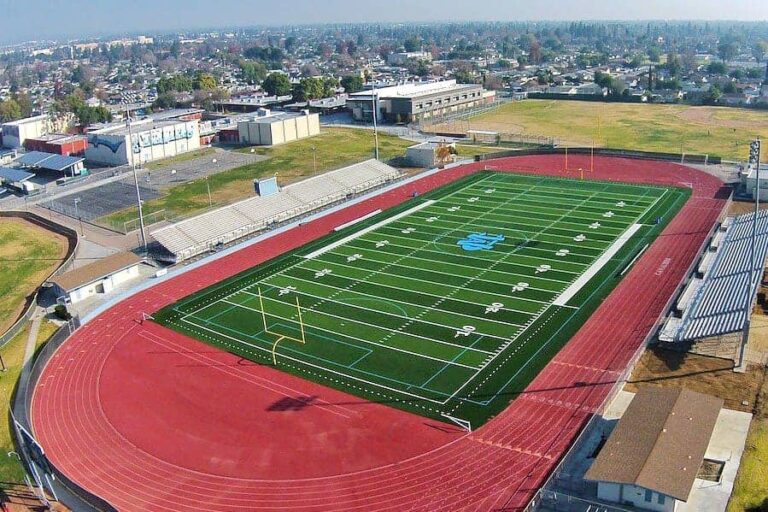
(105, 285)
(16, 132)
(148, 145)
(273, 131)
(636, 496)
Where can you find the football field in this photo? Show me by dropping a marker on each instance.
(446, 306)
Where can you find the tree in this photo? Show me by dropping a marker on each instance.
(352, 83)
(717, 68)
(673, 64)
(204, 82)
(465, 77)
(713, 95)
(277, 84)
(604, 80)
(759, 50)
(9, 110)
(654, 54)
(727, 50)
(534, 52)
(164, 101)
(412, 44)
(253, 72)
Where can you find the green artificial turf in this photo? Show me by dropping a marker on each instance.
(402, 313)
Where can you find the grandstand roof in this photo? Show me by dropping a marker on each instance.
(659, 442)
(721, 304)
(198, 234)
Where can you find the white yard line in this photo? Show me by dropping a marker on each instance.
(373, 227)
(599, 263)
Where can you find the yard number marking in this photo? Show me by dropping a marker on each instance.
(494, 307)
(579, 238)
(322, 273)
(473, 199)
(562, 253)
(490, 190)
(465, 331)
(408, 231)
(543, 268)
(286, 290)
(608, 215)
(594, 225)
(354, 257)
(519, 287)
(621, 204)
(454, 208)
(432, 219)
(382, 243)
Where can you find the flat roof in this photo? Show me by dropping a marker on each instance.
(140, 126)
(32, 119)
(15, 175)
(412, 90)
(659, 442)
(49, 161)
(99, 269)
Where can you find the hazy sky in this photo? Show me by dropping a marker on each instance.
(40, 19)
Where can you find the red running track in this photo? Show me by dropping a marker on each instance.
(150, 419)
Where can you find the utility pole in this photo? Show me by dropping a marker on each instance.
(753, 276)
(135, 179)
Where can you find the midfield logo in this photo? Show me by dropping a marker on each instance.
(480, 241)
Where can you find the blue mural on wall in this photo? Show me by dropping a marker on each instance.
(147, 139)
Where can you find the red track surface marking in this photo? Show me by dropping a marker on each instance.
(150, 419)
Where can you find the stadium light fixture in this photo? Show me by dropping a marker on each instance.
(754, 159)
(135, 179)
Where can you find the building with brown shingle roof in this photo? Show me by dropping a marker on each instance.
(653, 455)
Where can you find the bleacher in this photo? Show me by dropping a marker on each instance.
(204, 232)
(716, 302)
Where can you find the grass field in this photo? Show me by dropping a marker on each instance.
(28, 254)
(13, 356)
(333, 148)
(450, 303)
(721, 131)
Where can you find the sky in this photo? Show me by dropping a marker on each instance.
(23, 20)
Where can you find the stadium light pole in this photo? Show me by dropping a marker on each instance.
(754, 156)
(135, 179)
(375, 102)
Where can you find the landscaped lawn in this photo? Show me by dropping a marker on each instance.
(332, 149)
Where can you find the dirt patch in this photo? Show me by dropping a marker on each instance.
(706, 116)
(709, 375)
(743, 207)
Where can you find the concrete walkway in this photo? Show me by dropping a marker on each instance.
(29, 351)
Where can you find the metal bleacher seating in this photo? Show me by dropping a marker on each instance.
(199, 234)
(719, 303)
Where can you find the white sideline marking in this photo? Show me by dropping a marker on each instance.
(599, 263)
(362, 232)
(359, 219)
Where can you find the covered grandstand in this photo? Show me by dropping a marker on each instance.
(202, 233)
(715, 302)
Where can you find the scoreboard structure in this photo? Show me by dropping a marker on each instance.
(265, 187)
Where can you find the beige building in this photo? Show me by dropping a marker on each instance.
(99, 277)
(652, 457)
(267, 129)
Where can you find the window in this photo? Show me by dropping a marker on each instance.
(661, 499)
(648, 495)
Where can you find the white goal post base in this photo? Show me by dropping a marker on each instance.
(465, 424)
